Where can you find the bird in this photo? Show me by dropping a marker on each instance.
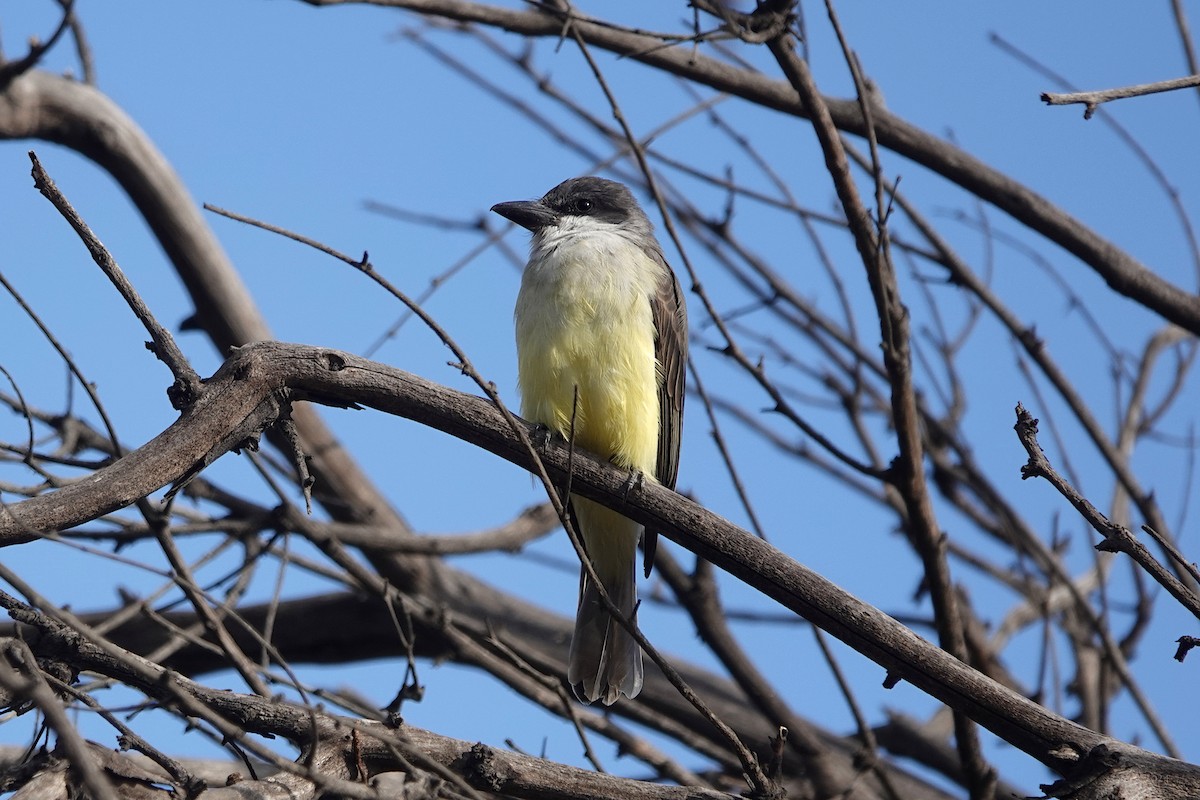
(601, 333)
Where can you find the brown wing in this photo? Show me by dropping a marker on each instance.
(670, 351)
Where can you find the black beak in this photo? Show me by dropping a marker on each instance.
(532, 215)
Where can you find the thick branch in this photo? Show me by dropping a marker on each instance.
(241, 397)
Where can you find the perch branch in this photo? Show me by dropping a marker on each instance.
(239, 398)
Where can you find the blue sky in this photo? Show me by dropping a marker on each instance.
(301, 116)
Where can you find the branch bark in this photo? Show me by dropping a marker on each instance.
(243, 394)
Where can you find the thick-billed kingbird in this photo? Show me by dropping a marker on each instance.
(601, 347)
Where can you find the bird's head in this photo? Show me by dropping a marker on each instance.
(580, 202)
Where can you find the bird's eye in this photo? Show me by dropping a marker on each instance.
(583, 205)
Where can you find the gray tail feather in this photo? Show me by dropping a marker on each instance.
(606, 661)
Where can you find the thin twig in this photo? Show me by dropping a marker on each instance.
(187, 382)
(10, 70)
(1092, 100)
(72, 367)
(1117, 538)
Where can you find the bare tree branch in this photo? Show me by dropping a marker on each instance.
(240, 398)
(1117, 538)
(1092, 100)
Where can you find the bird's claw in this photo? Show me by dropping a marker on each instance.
(540, 436)
(634, 481)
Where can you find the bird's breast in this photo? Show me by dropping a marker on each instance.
(585, 343)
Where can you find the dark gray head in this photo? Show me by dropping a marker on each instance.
(598, 199)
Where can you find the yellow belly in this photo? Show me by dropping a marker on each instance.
(582, 332)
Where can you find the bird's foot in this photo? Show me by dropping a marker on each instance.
(634, 481)
(540, 436)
